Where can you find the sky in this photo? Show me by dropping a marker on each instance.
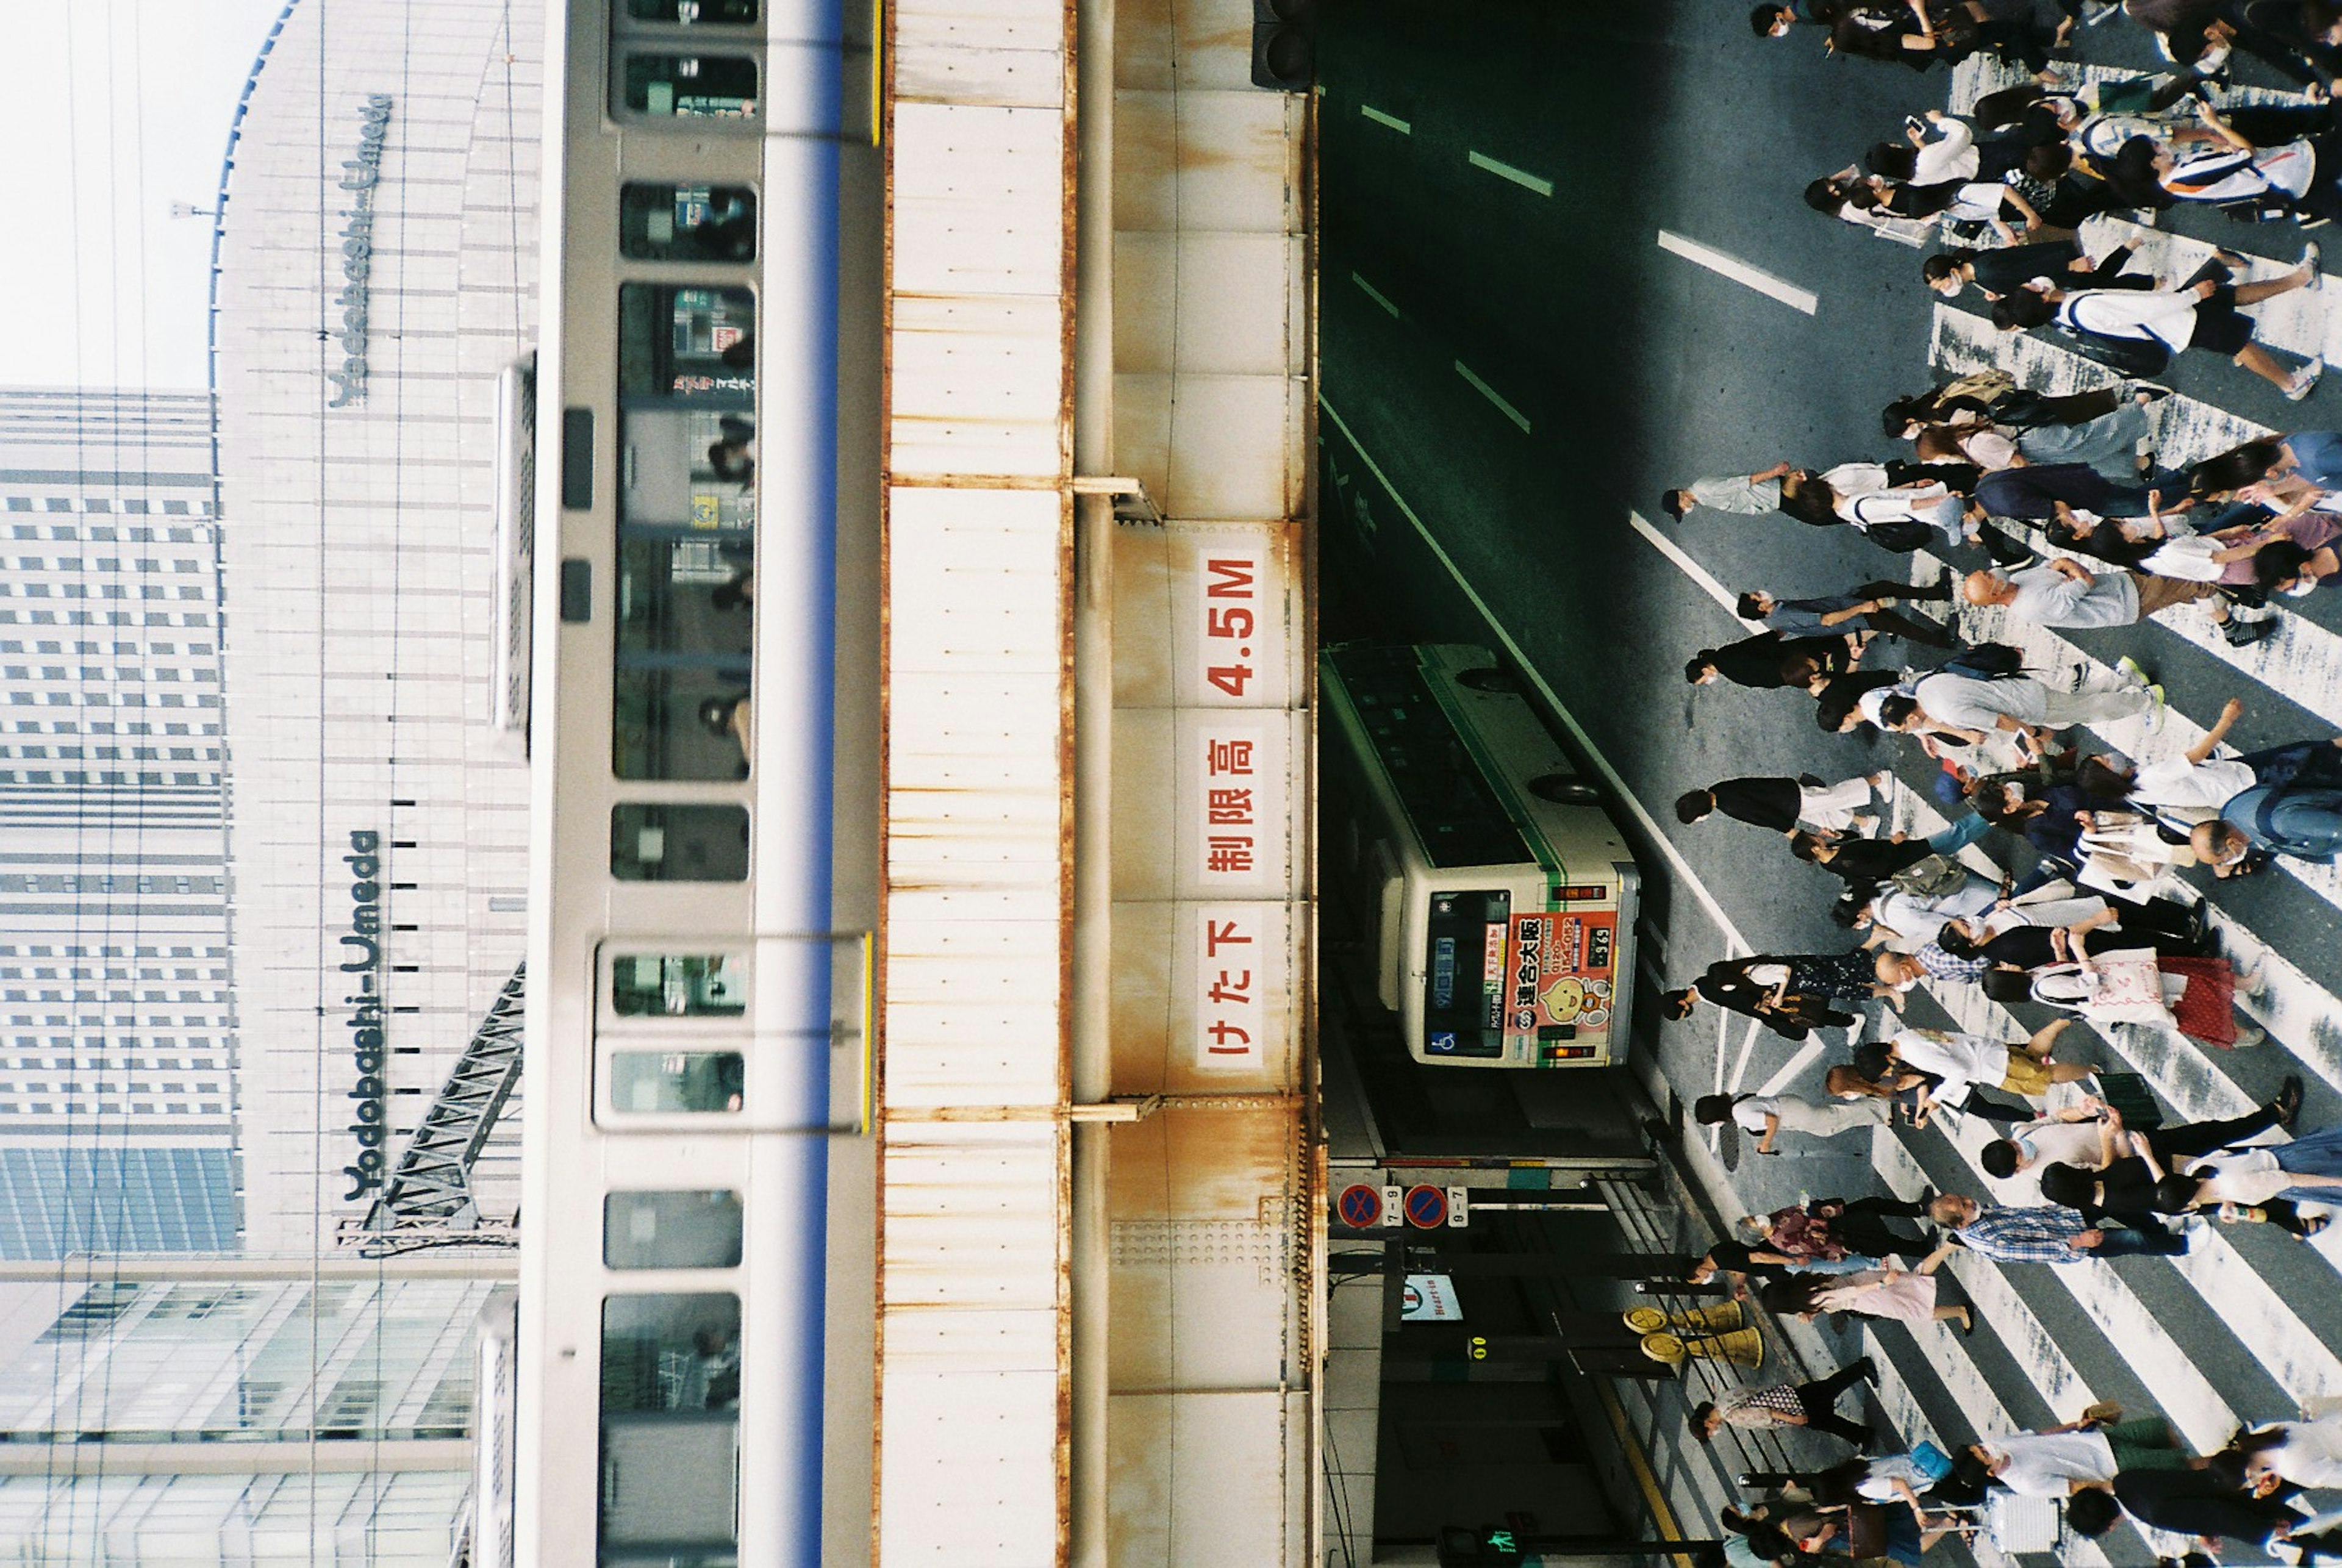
(118, 109)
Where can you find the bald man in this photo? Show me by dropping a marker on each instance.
(2067, 594)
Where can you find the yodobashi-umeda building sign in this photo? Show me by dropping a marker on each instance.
(362, 962)
(360, 176)
(379, 834)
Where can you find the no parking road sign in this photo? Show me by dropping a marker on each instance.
(1360, 1206)
(1426, 1207)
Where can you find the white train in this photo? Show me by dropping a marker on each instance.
(695, 1209)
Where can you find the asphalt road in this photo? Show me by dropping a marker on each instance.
(1514, 368)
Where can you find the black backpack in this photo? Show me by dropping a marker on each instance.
(1984, 662)
(1901, 534)
(2135, 357)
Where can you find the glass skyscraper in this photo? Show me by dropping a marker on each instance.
(116, 1012)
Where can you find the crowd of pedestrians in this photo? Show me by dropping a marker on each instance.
(2084, 528)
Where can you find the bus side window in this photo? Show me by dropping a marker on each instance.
(652, 843)
(684, 1230)
(687, 222)
(665, 1082)
(670, 1397)
(686, 539)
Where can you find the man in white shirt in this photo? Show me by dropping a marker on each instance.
(1962, 1060)
(2205, 312)
(2284, 800)
(2055, 1463)
(1970, 708)
(2059, 1460)
(2067, 594)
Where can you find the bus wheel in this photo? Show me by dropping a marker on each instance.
(1488, 678)
(1564, 789)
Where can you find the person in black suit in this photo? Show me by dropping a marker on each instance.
(1769, 661)
(1790, 995)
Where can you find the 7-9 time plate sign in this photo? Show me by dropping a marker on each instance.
(1557, 970)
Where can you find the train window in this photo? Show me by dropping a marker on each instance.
(686, 520)
(687, 345)
(680, 984)
(670, 1423)
(687, 222)
(671, 1230)
(722, 13)
(652, 842)
(667, 1082)
(689, 86)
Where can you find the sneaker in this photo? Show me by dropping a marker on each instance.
(2128, 668)
(2309, 260)
(2242, 633)
(2305, 381)
(2157, 711)
(2150, 390)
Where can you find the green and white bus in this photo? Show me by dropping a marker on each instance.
(1501, 898)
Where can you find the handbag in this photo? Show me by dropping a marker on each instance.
(1901, 534)
(1866, 1530)
(2187, 558)
(2120, 988)
(1931, 877)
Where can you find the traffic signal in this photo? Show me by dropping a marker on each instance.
(1284, 44)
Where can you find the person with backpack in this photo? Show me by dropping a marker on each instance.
(1901, 518)
(2287, 169)
(1921, 866)
(1982, 691)
(2292, 807)
(2136, 331)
